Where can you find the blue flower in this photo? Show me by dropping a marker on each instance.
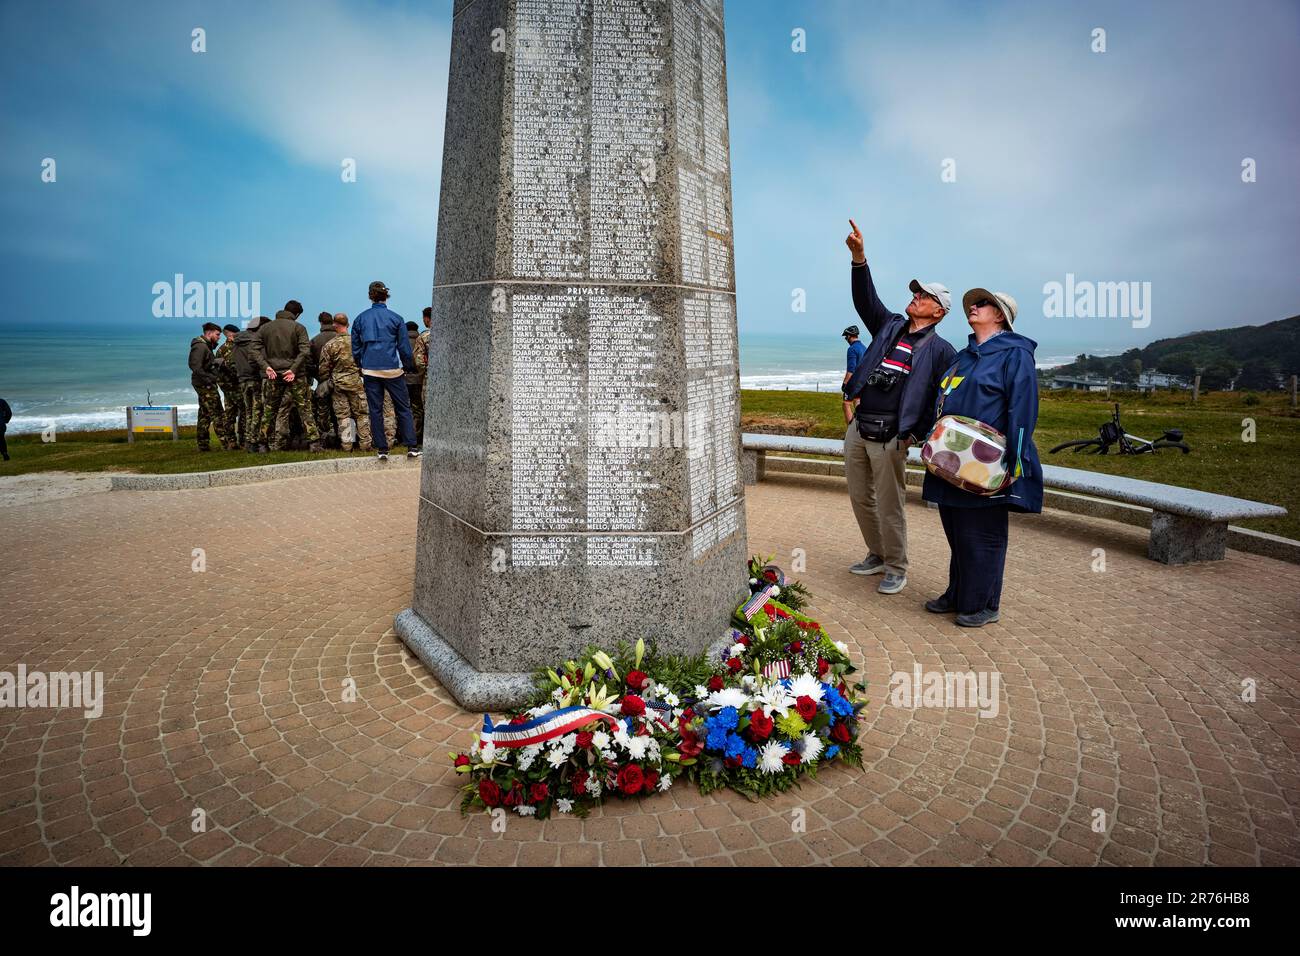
(717, 738)
(728, 718)
(735, 746)
(831, 751)
(836, 703)
(749, 758)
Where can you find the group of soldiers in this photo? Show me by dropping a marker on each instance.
(270, 387)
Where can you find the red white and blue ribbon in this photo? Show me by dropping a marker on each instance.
(540, 729)
(777, 669)
(755, 603)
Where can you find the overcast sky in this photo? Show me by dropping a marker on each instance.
(1117, 166)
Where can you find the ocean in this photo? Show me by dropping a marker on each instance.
(83, 377)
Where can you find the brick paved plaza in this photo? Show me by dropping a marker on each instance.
(1121, 691)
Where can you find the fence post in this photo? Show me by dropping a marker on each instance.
(1196, 388)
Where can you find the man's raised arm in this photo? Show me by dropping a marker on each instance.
(870, 309)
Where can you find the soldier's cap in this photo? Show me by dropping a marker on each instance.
(378, 286)
(230, 327)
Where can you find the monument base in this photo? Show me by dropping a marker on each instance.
(473, 689)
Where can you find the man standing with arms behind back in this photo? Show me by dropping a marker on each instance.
(895, 385)
(382, 350)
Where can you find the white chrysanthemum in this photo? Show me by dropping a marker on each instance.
(664, 783)
(541, 710)
(488, 753)
(806, 685)
(528, 755)
(556, 758)
(569, 741)
(812, 748)
(593, 787)
(524, 810)
(769, 758)
(652, 748)
(564, 806)
(737, 650)
(600, 740)
(727, 697)
(636, 747)
(844, 648)
(774, 700)
(776, 591)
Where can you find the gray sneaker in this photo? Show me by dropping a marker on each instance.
(977, 619)
(871, 564)
(893, 583)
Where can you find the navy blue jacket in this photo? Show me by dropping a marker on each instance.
(995, 383)
(379, 340)
(932, 357)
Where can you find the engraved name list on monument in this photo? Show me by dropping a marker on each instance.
(592, 375)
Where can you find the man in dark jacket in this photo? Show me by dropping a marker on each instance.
(203, 376)
(894, 386)
(6, 413)
(282, 350)
(382, 350)
(251, 377)
(415, 381)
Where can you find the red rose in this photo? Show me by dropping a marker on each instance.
(715, 682)
(462, 760)
(840, 733)
(515, 797)
(791, 759)
(489, 793)
(584, 739)
(735, 664)
(769, 608)
(633, 706)
(760, 725)
(538, 792)
(651, 779)
(731, 762)
(807, 707)
(770, 575)
(743, 639)
(823, 665)
(580, 782)
(630, 779)
(796, 647)
(522, 718)
(636, 680)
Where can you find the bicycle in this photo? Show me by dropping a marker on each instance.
(1112, 433)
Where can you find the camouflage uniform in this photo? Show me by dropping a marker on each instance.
(228, 379)
(390, 419)
(348, 397)
(251, 376)
(283, 345)
(421, 350)
(322, 408)
(203, 376)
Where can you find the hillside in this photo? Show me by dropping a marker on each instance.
(1248, 357)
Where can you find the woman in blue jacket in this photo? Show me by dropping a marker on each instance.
(992, 380)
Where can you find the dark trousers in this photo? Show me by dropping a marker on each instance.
(396, 388)
(4, 446)
(978, 540)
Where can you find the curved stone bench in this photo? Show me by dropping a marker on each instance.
(1186, 524)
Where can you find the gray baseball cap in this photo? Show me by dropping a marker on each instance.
(935, 289)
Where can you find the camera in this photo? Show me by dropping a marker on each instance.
(884, 378)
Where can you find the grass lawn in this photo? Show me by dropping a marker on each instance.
(1220, 461)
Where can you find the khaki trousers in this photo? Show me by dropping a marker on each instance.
(878, 493)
